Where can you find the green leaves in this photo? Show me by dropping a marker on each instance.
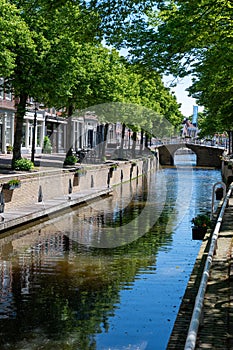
(13, 33)
(52, 52)
(192, 37)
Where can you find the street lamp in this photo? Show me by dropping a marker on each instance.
(34, 135)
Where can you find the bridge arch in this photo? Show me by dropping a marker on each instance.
(184, 156)
(207, 156)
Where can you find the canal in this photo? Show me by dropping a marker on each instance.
(109, 275)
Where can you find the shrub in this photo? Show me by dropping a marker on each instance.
(47, 147)
(23, 164)
(70, 160)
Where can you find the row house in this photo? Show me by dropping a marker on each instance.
(77, 132)
(7, 112)
(48, 122)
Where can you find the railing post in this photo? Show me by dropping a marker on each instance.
(223, 185)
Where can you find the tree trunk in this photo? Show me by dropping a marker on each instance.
(105, 139)
(70, 143)
(134, 137)
(18, 134)
(122, 141)
(141, 141)
(146, 140)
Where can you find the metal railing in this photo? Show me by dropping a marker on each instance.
(217, 186)
(197, 311)
(191, 140)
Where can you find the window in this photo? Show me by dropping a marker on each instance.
(61, 139)
(38, 135)
(9, 126)
(8, 93)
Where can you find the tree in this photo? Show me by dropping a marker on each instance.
(191, 37)
(13, 32)
(43, 64)
(128, 95)
(213, 86)
(62, 63)
(180, 37)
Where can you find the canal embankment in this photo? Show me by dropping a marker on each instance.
(46, 191)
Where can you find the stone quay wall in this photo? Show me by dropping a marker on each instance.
(46, 185)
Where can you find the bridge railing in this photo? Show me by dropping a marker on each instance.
(191, 140)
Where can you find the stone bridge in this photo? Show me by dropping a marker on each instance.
(207, 156)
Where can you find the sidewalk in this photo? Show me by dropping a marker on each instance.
(216, 328)
(42, 162)
(24, 214)
(39, 210)
(216, 331)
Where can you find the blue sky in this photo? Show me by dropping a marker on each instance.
(187, 103)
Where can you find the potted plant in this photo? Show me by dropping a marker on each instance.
(70, 160)
(12, 184)
(9, 149)
(200, 224)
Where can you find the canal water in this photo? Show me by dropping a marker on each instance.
(109, 275)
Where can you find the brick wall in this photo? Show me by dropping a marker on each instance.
(57, 183)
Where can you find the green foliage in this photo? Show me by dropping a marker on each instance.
(23, 164)
(14, 33)
(208, 126)
(9, 148)
(13, 182)
(183, 37)
(70, 160)
(55, 56)
(201, 220)
(43, 52)
(47, 146)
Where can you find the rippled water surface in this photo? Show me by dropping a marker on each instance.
(110, 275)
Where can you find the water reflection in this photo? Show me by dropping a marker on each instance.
(59, 291)
(185, 157)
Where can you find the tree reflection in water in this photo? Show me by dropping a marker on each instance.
(59, 294)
